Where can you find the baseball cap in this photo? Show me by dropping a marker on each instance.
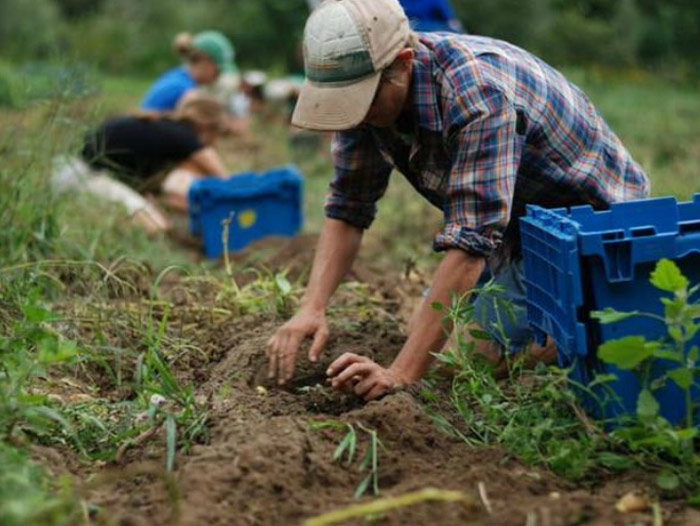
(347, 44)
(217, 47)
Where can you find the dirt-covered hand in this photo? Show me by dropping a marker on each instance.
(370, 380)
(282, 348)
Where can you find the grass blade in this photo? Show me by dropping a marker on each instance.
(171, 441)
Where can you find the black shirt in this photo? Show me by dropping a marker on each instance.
(135, 148)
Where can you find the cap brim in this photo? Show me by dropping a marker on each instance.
(334, 108)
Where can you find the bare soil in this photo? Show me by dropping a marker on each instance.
(266, 465)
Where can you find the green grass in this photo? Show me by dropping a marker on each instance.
(536, 415)
(27, 498)
(658, 122)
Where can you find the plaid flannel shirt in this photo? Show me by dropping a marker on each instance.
(494, 128)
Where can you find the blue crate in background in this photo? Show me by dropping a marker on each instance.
(579, 260)
(259, 205)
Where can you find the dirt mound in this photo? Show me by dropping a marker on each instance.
(270, 455)
(270, 461)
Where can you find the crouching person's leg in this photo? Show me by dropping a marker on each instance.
(144, 213)
(500, 313)
(177, 183)
(71, 174)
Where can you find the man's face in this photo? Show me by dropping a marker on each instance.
(390, 99)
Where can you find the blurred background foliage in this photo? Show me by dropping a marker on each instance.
(133, 36)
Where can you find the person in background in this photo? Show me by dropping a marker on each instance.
(432, 15)
(424, 15)
(125, 157)
(209, 57)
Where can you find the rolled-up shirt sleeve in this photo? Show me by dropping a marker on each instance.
(361, 178)
(485, 148)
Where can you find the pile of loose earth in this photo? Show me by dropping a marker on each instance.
(270, 462)
(270, 456)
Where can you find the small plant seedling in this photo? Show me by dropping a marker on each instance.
(370, 462)
(347, 449)
(347, 446)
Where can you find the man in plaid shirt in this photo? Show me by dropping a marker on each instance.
(480, 128)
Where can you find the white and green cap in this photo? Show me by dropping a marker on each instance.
(347, 44)
(218, 48)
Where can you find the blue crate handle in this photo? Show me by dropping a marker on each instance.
(635, 232)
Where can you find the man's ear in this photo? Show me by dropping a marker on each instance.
(405, 56)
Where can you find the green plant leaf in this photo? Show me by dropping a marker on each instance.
(35, 314)
(647, 406)
(436, 305)
(615, 462)
(445, 357)
(694, 310)
(362, 486)
(682, 377)
(602, 379)
(90, 419)
(171, 442)
(686, 434)
(675, 333)
(667, 480)
(366, 460)
(53, 351)
(691, 329)
(665, 354)
(667, 276)
(626, 353)
(480, 335)
(344, 445)
(610, 315)
(325, 424)
(673, 308)
(694, 354)
(659, 441)
(283, 284)
(695, 500)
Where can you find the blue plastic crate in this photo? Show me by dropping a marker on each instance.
(580, 260)
(259, 205)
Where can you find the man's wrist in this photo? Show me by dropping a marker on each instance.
(401, 376)
(313, 305)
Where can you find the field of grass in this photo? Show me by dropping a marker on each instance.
(657, 121)
(96, 319)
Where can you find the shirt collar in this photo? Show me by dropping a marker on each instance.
(424, 90)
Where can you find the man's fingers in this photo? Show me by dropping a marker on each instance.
(361, 369)
(365, 386)
(320, 339)
(272, 351)
(376, 392)
(341, 363)
(279, 358)
(289, 353)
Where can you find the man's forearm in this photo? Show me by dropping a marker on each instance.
(337, 248)
(458, 272)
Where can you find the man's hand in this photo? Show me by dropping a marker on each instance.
(282, 348)
(366, 378)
